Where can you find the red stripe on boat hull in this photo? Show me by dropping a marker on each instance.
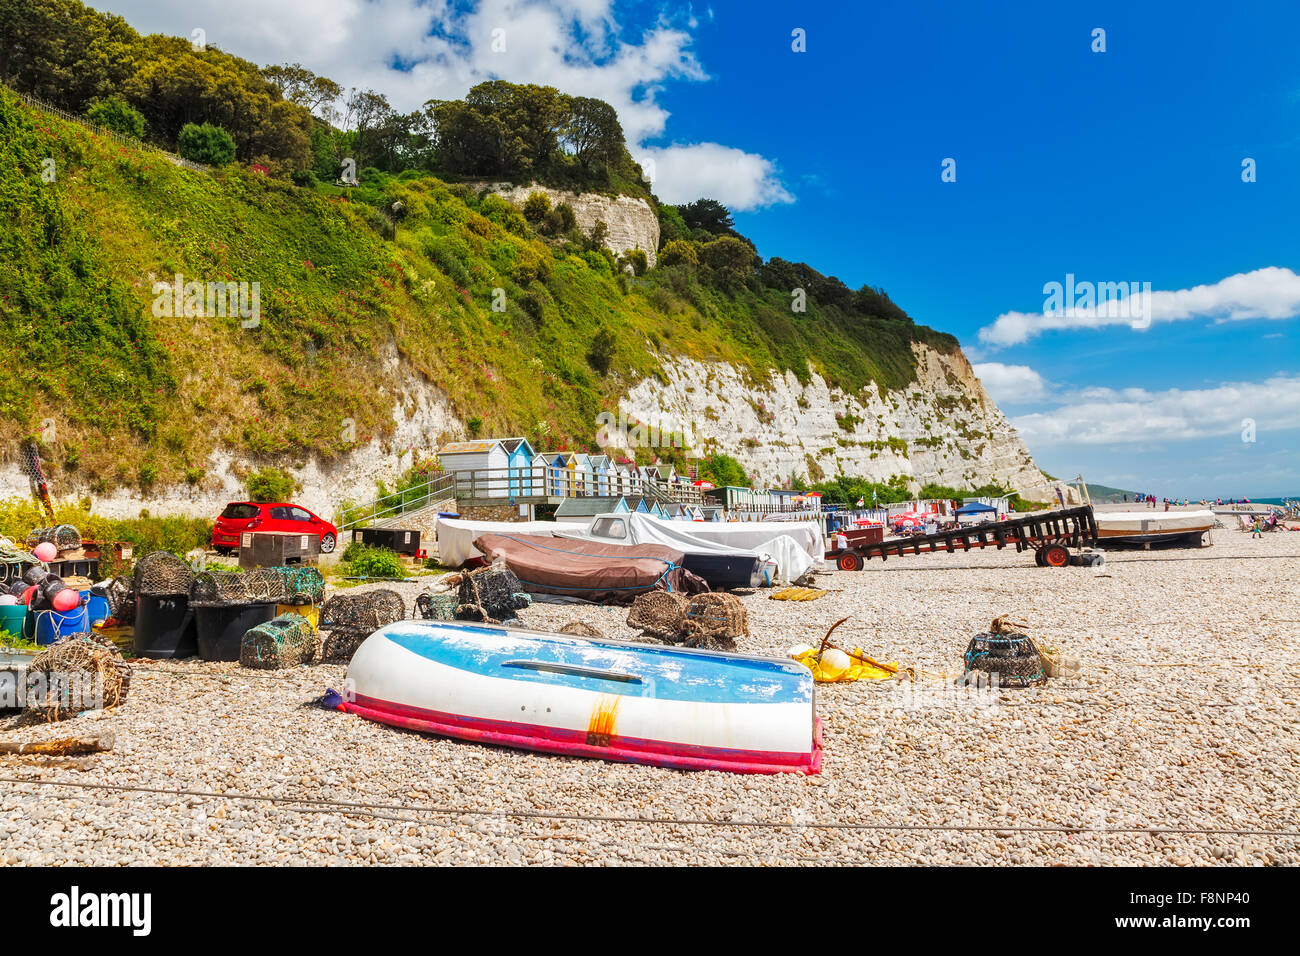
(658, 753)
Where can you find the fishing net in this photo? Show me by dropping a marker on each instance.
(660, 614)
(715, 621)
(83, 672)
(436, 607)
(491, 595)
(121, 600)
(224, 588)
(286, 641)
(351, 618)
(14, 562)
(162, 574)
(580, 629)
(1004, 657)
(303, 584)
(63, 536)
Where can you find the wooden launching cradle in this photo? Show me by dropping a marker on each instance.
(1049, 535)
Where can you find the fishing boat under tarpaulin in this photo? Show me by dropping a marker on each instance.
(666, 706)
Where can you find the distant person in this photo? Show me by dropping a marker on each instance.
(1256, 530)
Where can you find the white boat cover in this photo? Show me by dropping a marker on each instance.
(456, 536)
(790, 557)
(753, 534)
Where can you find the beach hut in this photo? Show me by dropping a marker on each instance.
(473, 462)
(519, 461)
(600, 466)
(638, 505)
(582, 509)
(563, 470)
(541, 470)
(584, 474)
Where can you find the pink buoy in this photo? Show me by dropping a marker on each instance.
(27, 595)
(66, 600)
(45, 552)
(7, 600)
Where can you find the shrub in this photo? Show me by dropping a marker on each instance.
(536, 206)
(304, 177)
(634, 259)
(598, 262)
(270, 484)
(566, 217)
(365, 561)
(729, 260)
(679, 251)
(206, 144)
(601, 354)
(117, 114)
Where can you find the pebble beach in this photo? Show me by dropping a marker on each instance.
(1178, 743)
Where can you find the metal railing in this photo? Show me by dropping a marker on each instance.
(129, 141)
(437, 489)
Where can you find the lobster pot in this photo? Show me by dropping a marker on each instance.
(162, 574)
(346, 620)
(491, 594)
(1007, 660)
(286, 641)
(437, 607)
(660, 614)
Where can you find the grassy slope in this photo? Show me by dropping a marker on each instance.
(138, 400)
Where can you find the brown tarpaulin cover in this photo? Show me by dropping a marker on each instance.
(591, 570)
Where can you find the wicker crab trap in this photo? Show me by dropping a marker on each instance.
(162, 574)
(491, 595)
(350, 618)
(65, 537)
(286, 641)
(1003, 656)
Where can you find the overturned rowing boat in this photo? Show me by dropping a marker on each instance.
(665, 706)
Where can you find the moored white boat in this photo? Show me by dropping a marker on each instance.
(666, 706)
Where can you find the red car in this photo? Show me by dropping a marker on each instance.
(240, 516)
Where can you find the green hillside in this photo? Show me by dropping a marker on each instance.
(402, 262)
(1104, 494)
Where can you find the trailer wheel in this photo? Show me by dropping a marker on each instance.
(849, 561)
(1056, 556)
(1038, 558)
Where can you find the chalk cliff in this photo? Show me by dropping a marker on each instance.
(942, 428)
(632, 224)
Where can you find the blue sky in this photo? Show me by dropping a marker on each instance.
(1123, 165)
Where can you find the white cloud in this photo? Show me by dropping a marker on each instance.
(735, 178)
(1099, 416)
(1268, 293)
(573, 45)
(1010, 383)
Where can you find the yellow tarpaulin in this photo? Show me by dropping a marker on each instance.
(861, 667)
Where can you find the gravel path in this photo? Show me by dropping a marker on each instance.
(1184, 718)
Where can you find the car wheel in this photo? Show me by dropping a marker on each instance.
(224, 552)
(326, 543)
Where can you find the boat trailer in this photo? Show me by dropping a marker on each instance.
(1051, 535)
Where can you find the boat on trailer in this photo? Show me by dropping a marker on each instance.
(684, 708)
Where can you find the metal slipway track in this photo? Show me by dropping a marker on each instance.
(345, 807)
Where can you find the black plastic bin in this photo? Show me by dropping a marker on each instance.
(164, 627)
(221, 629)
